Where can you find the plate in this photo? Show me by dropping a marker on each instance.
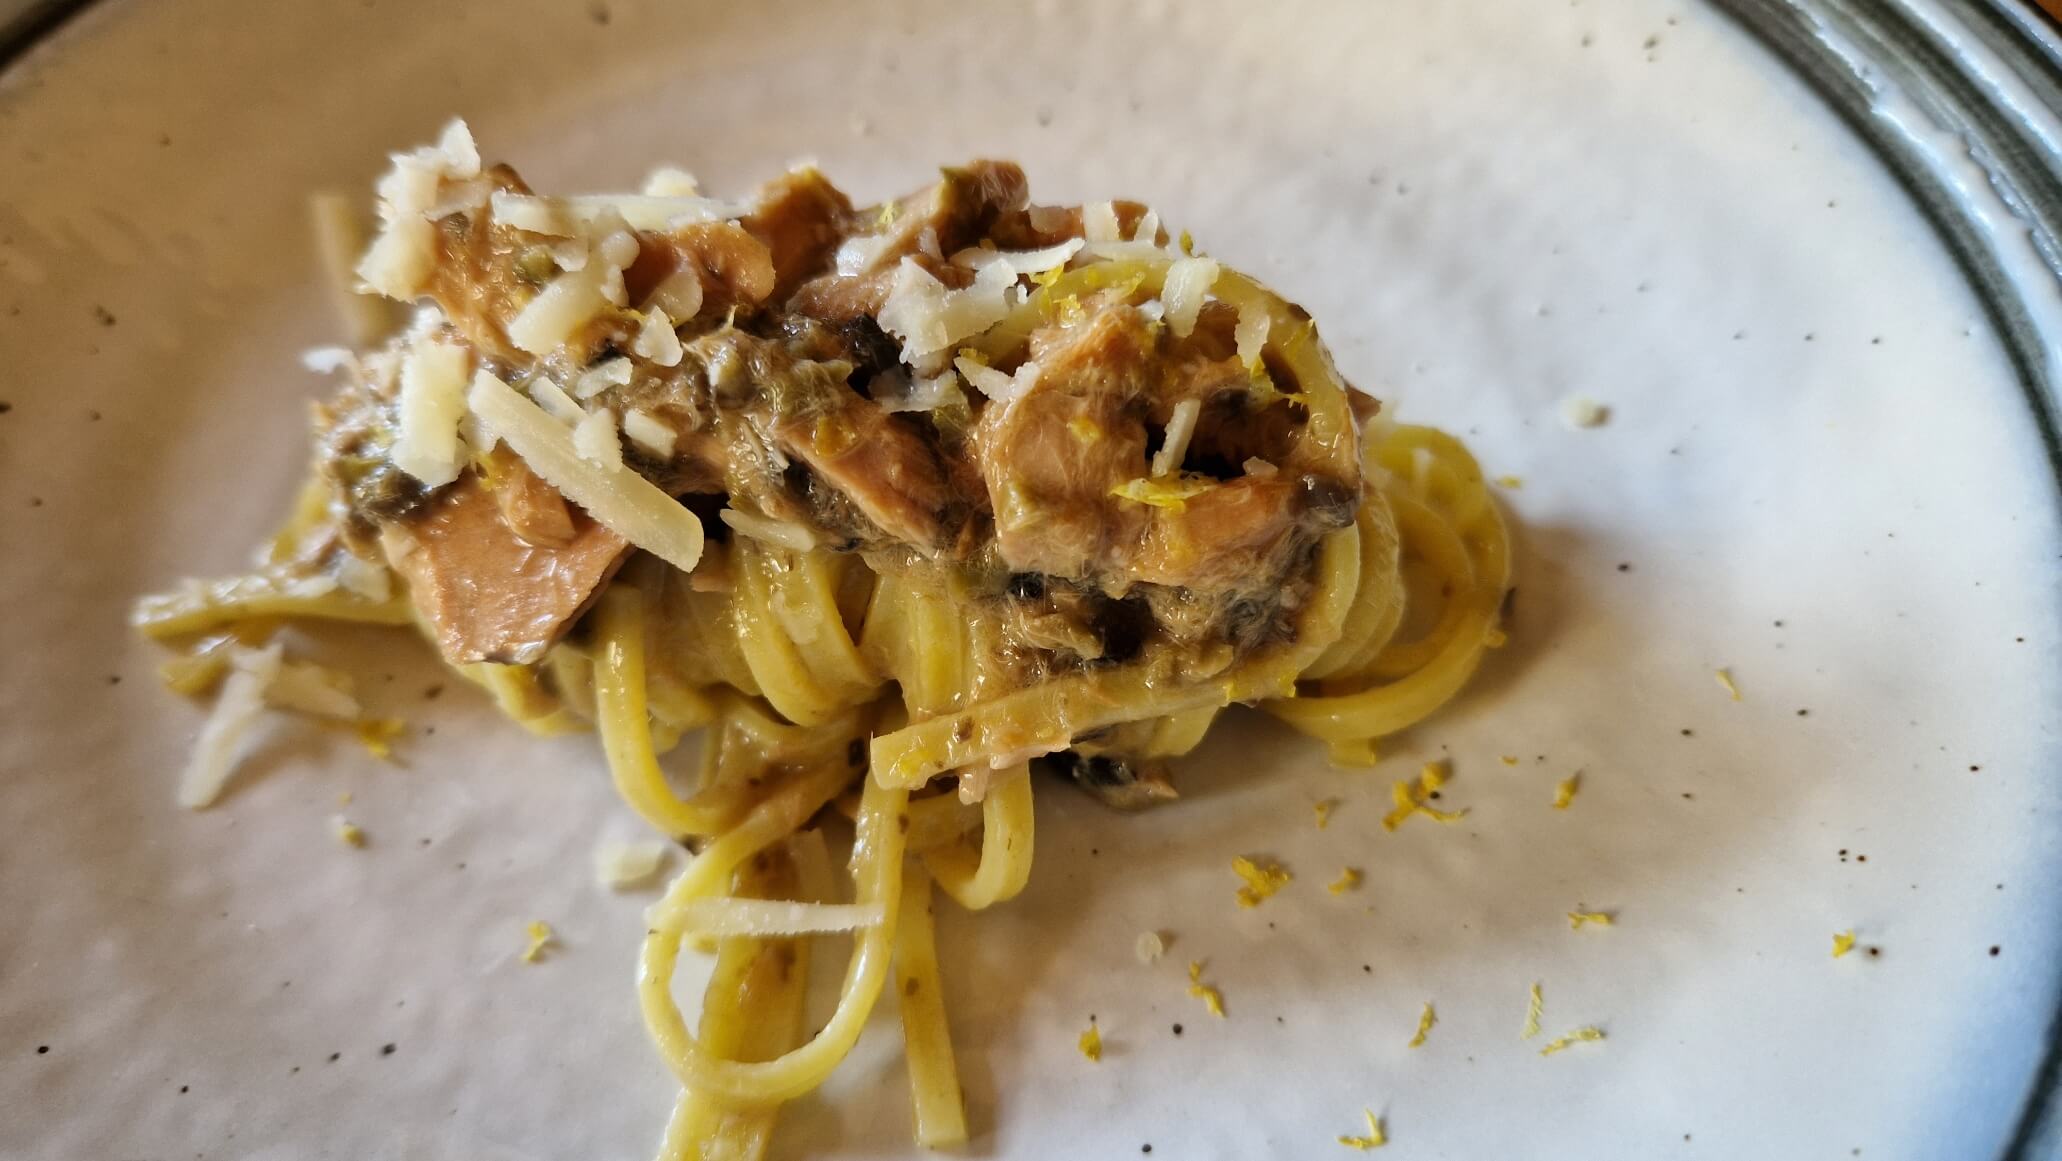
(1800, 251)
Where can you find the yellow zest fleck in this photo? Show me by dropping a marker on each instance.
(1533, 1010)
(1262, 880)
(1323, 808)
(541, 935)
(1725, 681)
(1843, 943)
(1349, 878)
(1495, 638)
(1579, 1036)
(377, 736)
(1564, 791)
(1414, 798)
(1211, 997)
(1426, 1019)
(1509, 759)
(1375, 1138)
(344, 798)
(1512, 483)
(1048, 277)
(1188, 243)
(833, 437)
(1085, 429)
(350, 833)
(1172, 493)
(1067, 310)
(1091, 1042)
(886, 217)
(1577, 918)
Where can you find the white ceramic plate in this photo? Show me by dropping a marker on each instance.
(1821, 471)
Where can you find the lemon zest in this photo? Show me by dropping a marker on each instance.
(1211, 997)
(1349, 878)
(1091, 1043)
(1426, 1019)
(1262, 880)
(540, 935)
(1534, 1008)
(1375, 1138)
(1843, 943)
(1579, 1036)
(1601, 918)
(1564, 791)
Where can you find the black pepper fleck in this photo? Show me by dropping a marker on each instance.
(335, 1056)
(182, 1088)
(44, 1049)
(1994, 949)
(1624, 567)
(1804, 713)
(1177, 1029)
(105, 317)
(386, 1050)
(5, 407)
(599, 13)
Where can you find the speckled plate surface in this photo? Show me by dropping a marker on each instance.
(1823, 343)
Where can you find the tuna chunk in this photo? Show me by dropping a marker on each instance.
(485, 592)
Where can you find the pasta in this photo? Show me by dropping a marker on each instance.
(884, 585)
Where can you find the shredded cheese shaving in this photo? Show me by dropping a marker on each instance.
(1725, 682)
(624, 865)
(1323, 809)
(1375, 1137)
(1151, 946)
(540, 936)
(1843, 943)
(1576, 919)
(1349, 878)
(1262, 880)
(1414, 797)
(1579, 1036)
(1426, 1019)
(1091, 1043)
(1535, 1008)
(1211, 997)
(1564, 791)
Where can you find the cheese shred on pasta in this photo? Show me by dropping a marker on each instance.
(654, 464)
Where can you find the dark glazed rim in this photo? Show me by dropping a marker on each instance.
(1947, 86)
(2021, 167)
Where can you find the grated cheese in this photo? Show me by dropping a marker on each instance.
(1375, 1137)
(1262, 880)
(1099, 222)
(656, 339)
(1534, 1008)
(1181, 428)
(1091, 1043)
(1579, 1036)
(1251, 332)
(432, 401)
(650, 434)
(768, 530)
(1564, 791)
(624, 865)
(1843, 943)
(237, 708)
(593, 381)
(627, 503)
(1188, 283)
(311, 689)
(597, 441)
(1426, 1019)
(540, 936)
(565, 305)
(1151, 945)
(928, 317)
(1349, 878)
(399, 261)
(670, 181)
(1579, 412)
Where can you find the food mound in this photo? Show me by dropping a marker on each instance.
(898, 501)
